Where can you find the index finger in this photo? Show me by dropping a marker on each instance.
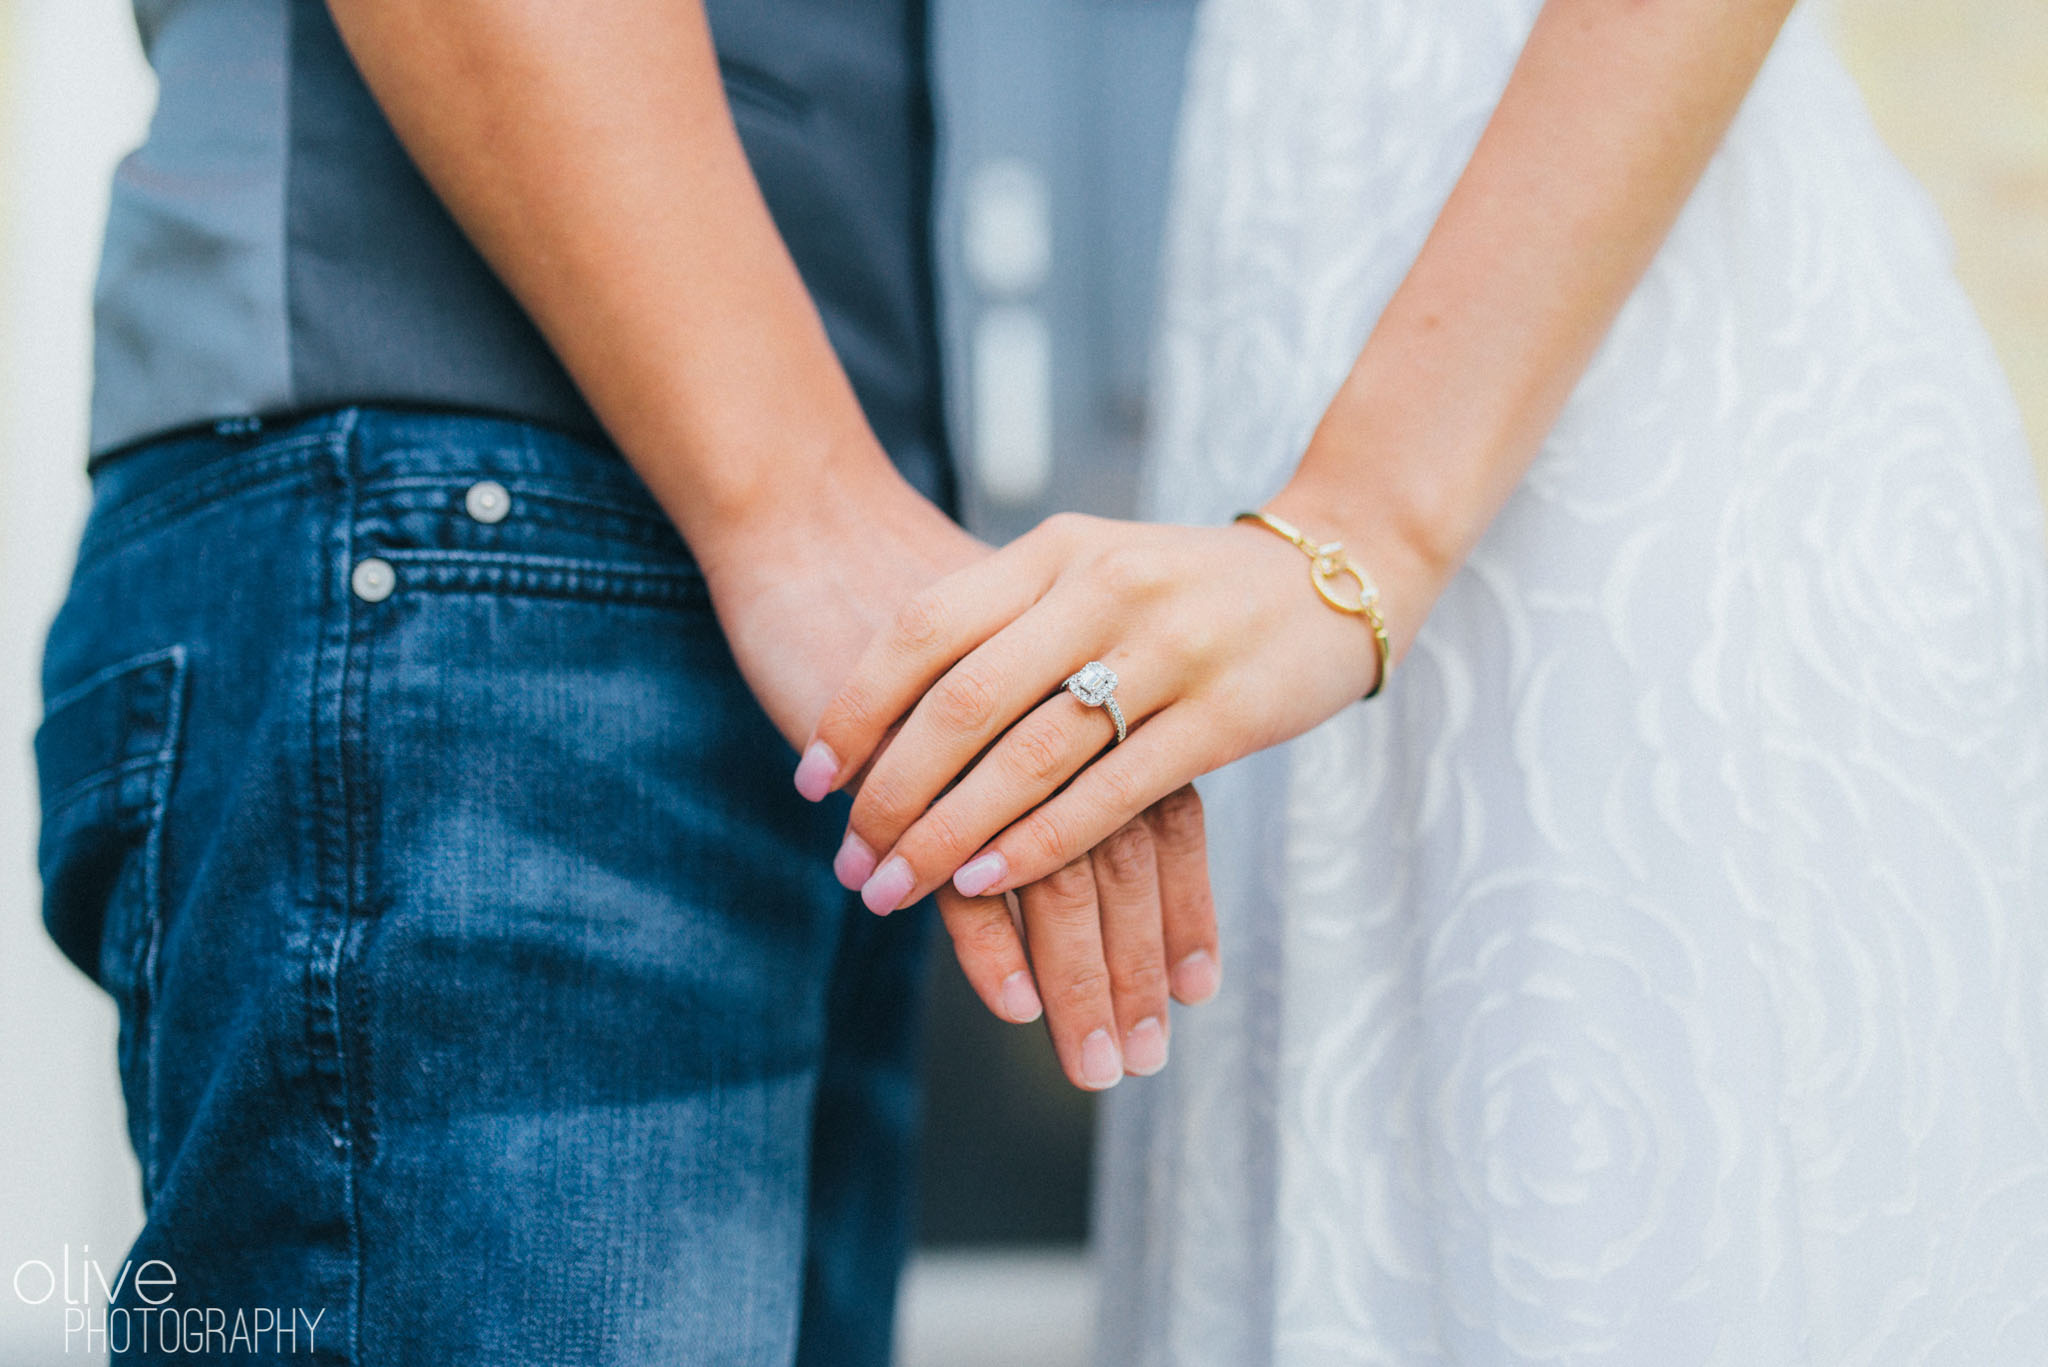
(928, 636)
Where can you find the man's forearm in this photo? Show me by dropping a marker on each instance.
(590, 155)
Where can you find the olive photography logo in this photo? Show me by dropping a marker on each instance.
(79, 1288)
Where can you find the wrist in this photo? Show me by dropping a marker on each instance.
(853, 519)
(784, 502)
(1404, 561)
(1342, 583)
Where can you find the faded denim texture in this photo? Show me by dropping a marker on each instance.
(484, 987)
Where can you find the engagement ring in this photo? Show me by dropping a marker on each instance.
(1094, 683)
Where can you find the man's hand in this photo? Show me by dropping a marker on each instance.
(1102, 933)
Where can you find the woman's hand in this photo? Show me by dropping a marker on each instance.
(1220, 644)
(799, 595)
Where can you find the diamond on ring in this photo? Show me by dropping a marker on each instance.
(1094, 683)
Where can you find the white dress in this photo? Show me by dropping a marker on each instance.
(1657, 974)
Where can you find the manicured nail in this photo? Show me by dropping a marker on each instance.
(1020, 998)
(1196, 978)
(1101, 1066)
(891, 884)
(1145, 1047)
(816, 770)
(854, 864)
(977, 876)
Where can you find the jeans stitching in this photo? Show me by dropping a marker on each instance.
(149, 978)
(543, 576)
(588, 496)
(93, 680)
(352, 1037)
(100, 778)
(546, 511)
(328, 838)
(152, 703)
(242, 472)
(134, 664)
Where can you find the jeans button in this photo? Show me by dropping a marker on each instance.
(373, 580)
(487, 501)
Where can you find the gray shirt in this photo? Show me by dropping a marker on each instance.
(272, 250)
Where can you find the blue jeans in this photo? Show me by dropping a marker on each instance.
(485, 992)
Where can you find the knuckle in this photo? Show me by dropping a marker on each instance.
(1043, 840)
(1069, 889)
(936, 839)
(986, 938)
(881, 804)
(1037, 753)
(967, 698)
(1065, 921)
(1120, 574)
(1119, 788)
(1063, 527)
(1127, 856)
(1081, 990)
(852, 710)
(1140, 981)
(1129, 573)
(1176, 819)
(920, 623)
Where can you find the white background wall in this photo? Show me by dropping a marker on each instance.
(75, 95)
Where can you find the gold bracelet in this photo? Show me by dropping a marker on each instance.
(1327, 561)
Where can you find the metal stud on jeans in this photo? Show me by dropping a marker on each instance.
(487, 501)
(373, 579)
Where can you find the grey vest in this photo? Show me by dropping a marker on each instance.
(272, 250)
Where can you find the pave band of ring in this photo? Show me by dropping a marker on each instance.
(1094, 684)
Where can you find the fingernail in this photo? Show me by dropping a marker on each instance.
(1145, 1047)
(977, 876)
(854, 864)
(1196, 978)
(891, 884)
(1101, 1067)
(1020, 998)
(816, 770)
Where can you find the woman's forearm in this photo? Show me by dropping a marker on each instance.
(590, 155)
(1605, 126)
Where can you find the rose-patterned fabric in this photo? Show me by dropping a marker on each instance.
(1657, 973)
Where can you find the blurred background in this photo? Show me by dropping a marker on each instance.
(1058, 117)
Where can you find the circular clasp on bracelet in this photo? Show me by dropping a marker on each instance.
(1327, 568)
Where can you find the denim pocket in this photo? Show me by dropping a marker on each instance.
(105, 755)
